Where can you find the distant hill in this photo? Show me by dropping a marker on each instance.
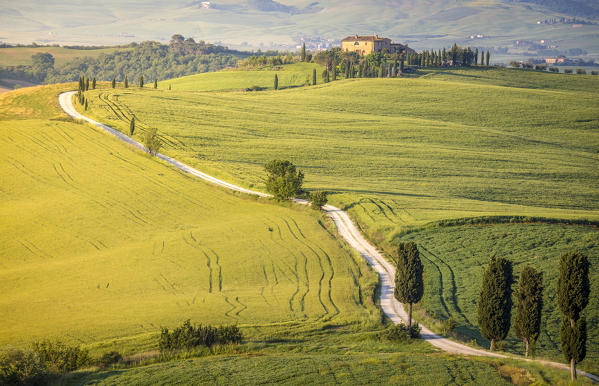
(281, 24)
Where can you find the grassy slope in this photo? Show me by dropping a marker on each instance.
(290, 76)
(398, 152)
(100, 242)
(15, 56)
(455, 257)
(410, 151)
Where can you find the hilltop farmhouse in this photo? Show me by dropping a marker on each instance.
(365, 45)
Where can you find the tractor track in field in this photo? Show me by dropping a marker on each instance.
(349, 232)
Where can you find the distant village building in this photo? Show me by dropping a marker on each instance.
(365, 45)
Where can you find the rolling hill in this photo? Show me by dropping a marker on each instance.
(400, 154)
(255, 24)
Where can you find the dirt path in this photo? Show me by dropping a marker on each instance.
(350, 233)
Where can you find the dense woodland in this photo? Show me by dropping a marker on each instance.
(151, 59)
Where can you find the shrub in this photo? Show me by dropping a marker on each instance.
(187, 336)
(60, 358)
(448, 326)
(527, 65)
(19, 367)
(110, 358)
(568, 71)
(581, 71)
(152, 141)
(553, 69)
(255, 88)
(319, 199)
(515, 64)
(540, 67)
(401, 333)
(594, 72)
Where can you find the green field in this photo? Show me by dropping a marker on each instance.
(395, 152)
(100, 242)
(290, 76)
(454, 259)
(101, 245)
(15, 56)
(402, 153)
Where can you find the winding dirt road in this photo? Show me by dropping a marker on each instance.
(350, 233)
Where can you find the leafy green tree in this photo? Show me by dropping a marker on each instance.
(409, 286)
(132, 126)
(276, 82)
(314, 77)
(573, 291)
(126, 82)
(113, 82)
(283, 181)
(141, 81)
(94, 83)
(152, 141)
(488, 57)
(155, 83)
(495, 300)
(319, 199)
(529, 304)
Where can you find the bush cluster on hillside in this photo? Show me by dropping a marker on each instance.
(44, 361)
(187, 336)
(401, 333)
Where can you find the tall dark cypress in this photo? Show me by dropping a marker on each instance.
(86, 84)
(113, 82)
(476, 56)
(529, 305)
(132, 126)
(495, 300)
(488, 57)
(141, 81)
(314, 77)
(126, 82)
(409, 286)
(94, 83)
(276, 85)
(155, 83)
(304, 52)
(573, 291)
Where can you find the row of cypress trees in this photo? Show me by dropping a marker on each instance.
(126, 82)
(573, 290)
(455, 56)
(495, 299)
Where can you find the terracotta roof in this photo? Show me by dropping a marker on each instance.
(363, 38)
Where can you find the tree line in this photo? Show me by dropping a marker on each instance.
(182, 56)
(495, 303)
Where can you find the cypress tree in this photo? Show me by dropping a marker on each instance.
(382, 71)
(361, 71)
(409, 286)
(488, 56)
(126, 82)
(155, 83)
(482, 58)
(86, 84)
(573, 291)
(169, 87)
(495, 300)
(113, 83)
(476, 56)
(94, 83)
(276, 82)
(86, 105)
(132, 126)
(304, 52)
(81, 88)
(529, 303)
(334, 72)
(141, 81)
(401, 66)
(314, 77)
